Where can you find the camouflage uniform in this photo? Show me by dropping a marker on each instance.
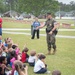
(50, 37)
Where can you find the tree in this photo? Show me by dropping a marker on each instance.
(2, 6)
(37, 7)
(72, 4)
(67, 7)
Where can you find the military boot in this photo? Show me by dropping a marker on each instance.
(49, 52)
(54, 52)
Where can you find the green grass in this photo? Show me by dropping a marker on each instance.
(11, 24)
(15, 25)
(66, 21)
(67, 33)
(64, 60)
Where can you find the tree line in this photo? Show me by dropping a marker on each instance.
(35, 7)
(67, 7)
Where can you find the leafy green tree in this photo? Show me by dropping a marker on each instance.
(67, 7)
(2, 6)
(35, 7)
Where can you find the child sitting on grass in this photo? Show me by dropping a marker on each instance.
(13, 58)
(25, 56)
(40, 66)
(20, 68)
(5, 42)
(32, 58)
(4, 52)
(3, 67)
(56, 72)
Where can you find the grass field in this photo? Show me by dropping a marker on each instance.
(64, 60)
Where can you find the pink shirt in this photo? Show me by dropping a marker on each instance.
(12, 61)
(17, 51)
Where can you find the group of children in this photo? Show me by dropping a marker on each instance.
(10, 56)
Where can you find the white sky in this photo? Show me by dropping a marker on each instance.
(66, 1)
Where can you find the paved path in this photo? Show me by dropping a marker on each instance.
(59, 36)
(27, 29)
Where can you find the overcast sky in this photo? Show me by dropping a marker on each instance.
(66, 1)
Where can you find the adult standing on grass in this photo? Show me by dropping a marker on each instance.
(35, 24)
(51, 31)
(1, 26)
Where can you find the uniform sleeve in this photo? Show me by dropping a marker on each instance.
(54, 22)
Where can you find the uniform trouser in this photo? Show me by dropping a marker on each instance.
(35, 31)
(51, 41)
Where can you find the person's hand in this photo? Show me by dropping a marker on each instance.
(17, 68)
(26, 68)
(37, 28)
(50, 32)
(26, 72)
(3, 66)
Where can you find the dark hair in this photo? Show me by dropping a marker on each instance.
(25, 49)
(4, 48)
(19, 64)
(42, 57)
(14, 46)
(56, 72)
(48, 14)
(2, 58)
(13, 54)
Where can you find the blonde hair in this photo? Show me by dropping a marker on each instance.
(9, 45)
(18, 64)
(33, 53)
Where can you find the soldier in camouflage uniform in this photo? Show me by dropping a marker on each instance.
(51, 26)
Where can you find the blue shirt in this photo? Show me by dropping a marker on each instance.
(6, 45)
(35, 24)
(16, 73)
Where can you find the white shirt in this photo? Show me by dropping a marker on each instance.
(32, 59)
(38, 66)
(4, 54)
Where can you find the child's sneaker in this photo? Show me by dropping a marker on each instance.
(48, 72)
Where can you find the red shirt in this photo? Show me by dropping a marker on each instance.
(23, 58)
(0, 23)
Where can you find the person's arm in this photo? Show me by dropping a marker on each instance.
(21, 72)
(3, 67)
(26, 70)
(41, 26)
(54, 28)
(7, 68)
